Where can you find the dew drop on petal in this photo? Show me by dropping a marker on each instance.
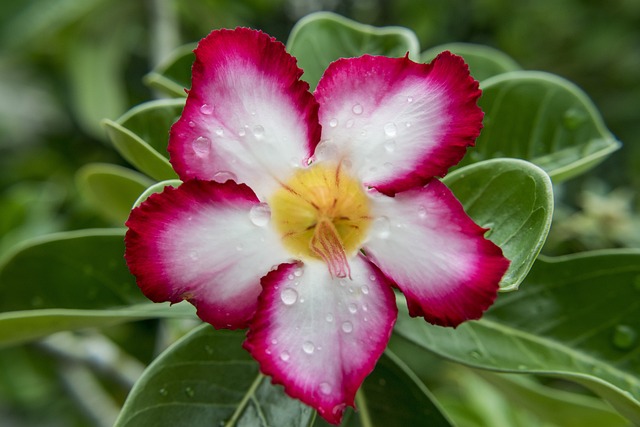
(347, 327)
(297, 272)
(349, 123)
(390, 130)
(325, 388)
(285, 356)
(219, 131)
(289, 296)
(422, 212)
(624, 337)
(409, 98)
(333, 123)
(206, 109)
(390, 146)
(365, 288)
(201, 146)
(224, 176)
(242, 132)
(308, 347)
(357, 109)
(381, 227)
(260, 214)
(329, 318)
(258, 131)
(192, 124)
(408, 124)
(352, 308)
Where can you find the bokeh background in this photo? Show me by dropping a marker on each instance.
(66, 64)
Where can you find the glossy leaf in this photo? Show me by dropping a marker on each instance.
(111, 189)
(484, 61)
(321, 38)
(208, 379)
(542, 118)
(173, 76)
(79, 270)
(18, 327)
(576, 317)
(514, 199)
(141, 136)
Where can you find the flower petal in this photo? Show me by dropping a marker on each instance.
(248, 117)
(424, 241)
(205, 242)
(398, 122)
(320, 336)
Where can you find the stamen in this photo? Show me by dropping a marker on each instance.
(326, 244)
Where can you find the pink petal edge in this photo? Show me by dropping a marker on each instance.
(248, 116)
(321, 337)
(182, 244)
(436, 255)
(399, 123)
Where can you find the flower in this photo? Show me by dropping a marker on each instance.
(299, 212)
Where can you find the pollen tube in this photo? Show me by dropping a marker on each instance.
(327, 245)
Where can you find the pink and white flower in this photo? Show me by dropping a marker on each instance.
(300, 212)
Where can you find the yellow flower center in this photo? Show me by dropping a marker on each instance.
(322, 213)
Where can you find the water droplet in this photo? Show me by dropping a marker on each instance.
(347, 327)
(274, 341)
(289, 296)
(242, 132)
(349, 123)
(206, 109)
(260, 214)
(267, 351)
(285, 356)
(325, 388)
(163, 391)
(338, 409)
(409, 98)
(297, 272)
(381, 227)
(352, 308)
(475, 354)
(372, 278)
(329, 318)
(357, 109)
(189, 392)
(326, 149)
(573, 118)
(201, 146)
(390, 146)
(333, 123)
(365, 288)
(624, 337)
(408, 124)
(208, 349)
(192, 124)
(422, 212)
(224, 176)
(308, 347)
(390, 130)
(219, 131)
(258, 131)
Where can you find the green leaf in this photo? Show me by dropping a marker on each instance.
(111, 189)
(17, 327)
(141, 136)
(554, 405)
(513, 198)
(75, 270)
(320, 38)
(393, 395)
(577, 317)
(173, 76)
(208, 379)
(483, 61)
(542, 118)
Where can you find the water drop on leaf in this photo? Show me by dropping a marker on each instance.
(624, 337)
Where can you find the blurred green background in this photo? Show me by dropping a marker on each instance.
(66, 64)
